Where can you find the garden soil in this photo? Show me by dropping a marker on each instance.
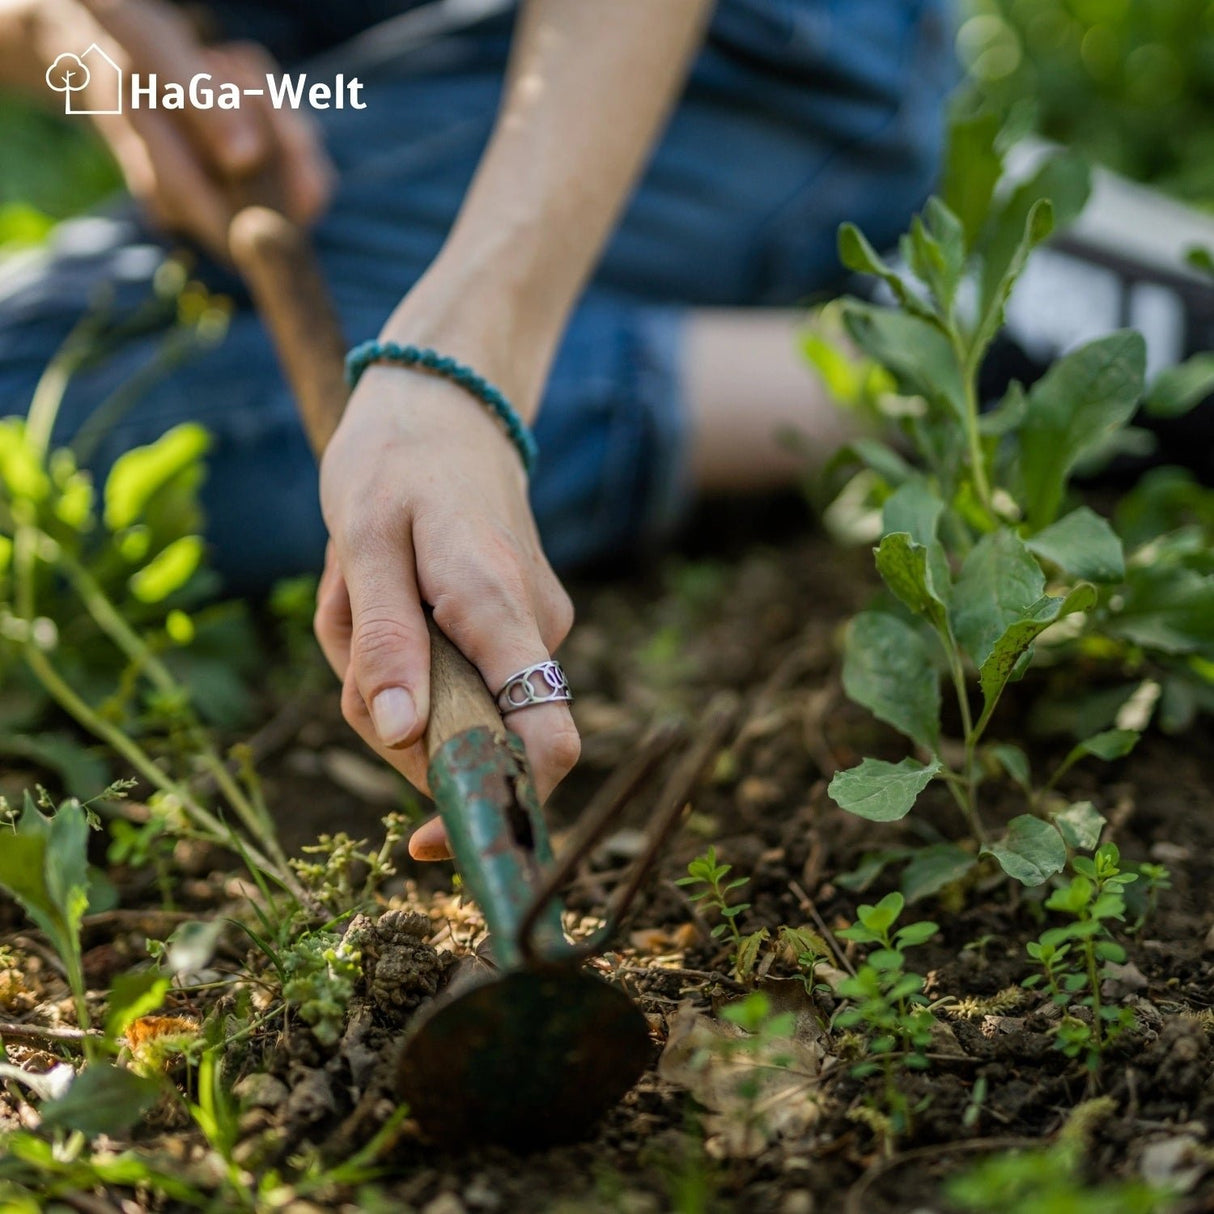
(764, 622)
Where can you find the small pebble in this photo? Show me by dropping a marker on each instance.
(800, 1201)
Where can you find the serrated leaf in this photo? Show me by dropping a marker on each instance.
(1083, 545)
(1080, 825)
(1007, 658)
(880, 791)
(1179, 389)
(1032, 851)
(916, 575)
(1077, 404)
(888, 669)
(934, 867)
(748, 953)
(103, 1099)
(999, 583)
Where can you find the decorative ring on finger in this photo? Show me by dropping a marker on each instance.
(543, 683)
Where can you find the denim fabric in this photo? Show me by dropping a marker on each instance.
(798, 114)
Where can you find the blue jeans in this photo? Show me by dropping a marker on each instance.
(799, 114)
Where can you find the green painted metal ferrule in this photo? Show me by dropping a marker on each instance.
(487, 802)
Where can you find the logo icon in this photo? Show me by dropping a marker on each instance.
(72, 74)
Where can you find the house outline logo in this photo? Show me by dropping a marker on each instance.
(71, 74)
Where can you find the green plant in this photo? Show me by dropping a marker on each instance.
(320, 972)
(347, 873)
(1129, 83)
(1073, 958)
(1048, 1181)
(713, 891)
(982, 549)
(887, 1004)
(99, 602)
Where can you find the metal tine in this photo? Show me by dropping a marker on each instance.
(720, 715)
(605, 807)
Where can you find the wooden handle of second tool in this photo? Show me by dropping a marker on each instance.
(277, 261)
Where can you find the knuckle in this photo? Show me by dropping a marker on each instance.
(558, 617)
(490, 595)
(377, 640)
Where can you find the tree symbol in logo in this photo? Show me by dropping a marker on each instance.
(68, 74)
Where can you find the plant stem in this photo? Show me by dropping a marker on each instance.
(111, 622)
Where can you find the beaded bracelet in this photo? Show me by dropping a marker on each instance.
(362, 356)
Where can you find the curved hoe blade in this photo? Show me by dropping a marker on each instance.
(527, 1059)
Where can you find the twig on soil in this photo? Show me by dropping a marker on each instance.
(808, 903)
(43, 1034)
(856, 1195)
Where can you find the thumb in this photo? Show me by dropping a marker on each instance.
(389, 641)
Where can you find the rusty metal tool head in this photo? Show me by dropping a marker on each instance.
(535, 1050)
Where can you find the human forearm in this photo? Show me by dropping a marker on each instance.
(588, 90)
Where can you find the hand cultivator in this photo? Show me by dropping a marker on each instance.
(535, 1049)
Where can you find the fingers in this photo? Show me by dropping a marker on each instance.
(303, 171)
(389, 645)
(504, 619)
(155, 39)
(429, 841)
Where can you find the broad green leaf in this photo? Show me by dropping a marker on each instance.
(103, 1099)
(880, 791)
(142, 472)
(999, 584)
(134, 995)
(1080, 825)
(918, 355)
(1078, 403)
(1004, 662)
(169, 570)
(1178, 389)
(999, 279)
(1083, 545)
(934, 867)
(888, 669)
(915, 575)
(870, 868)
(1032, 851)
(915, 509)
(972, 169)
(916, 933)
(82, 770)
(857, 254)
(1170, 609)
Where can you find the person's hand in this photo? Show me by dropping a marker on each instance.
(426, 502)
(188, 167)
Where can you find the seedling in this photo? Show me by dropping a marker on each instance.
(981, 549)
(1073, 957)
(887, 1003)
(708, 878)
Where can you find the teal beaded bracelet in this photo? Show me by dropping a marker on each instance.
(362, 356)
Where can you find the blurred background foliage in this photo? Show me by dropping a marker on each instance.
(1130, 83)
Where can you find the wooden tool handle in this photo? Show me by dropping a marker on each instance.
(276, 259)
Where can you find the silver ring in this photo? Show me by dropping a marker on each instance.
(543, 683)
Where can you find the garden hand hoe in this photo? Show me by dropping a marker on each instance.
(537, 1052)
